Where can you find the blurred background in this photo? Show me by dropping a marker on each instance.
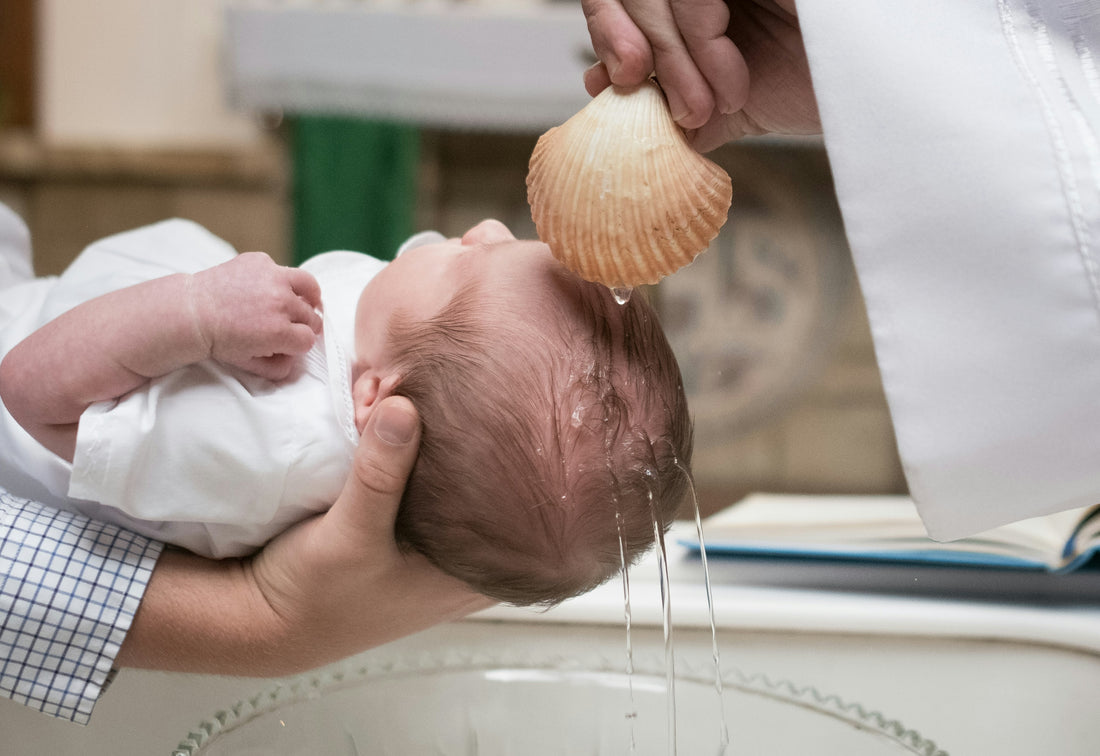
(298, 127)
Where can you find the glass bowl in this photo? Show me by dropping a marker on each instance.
(454, 702)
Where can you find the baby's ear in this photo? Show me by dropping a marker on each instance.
(367, 391)
(388, 385)
(364, 394)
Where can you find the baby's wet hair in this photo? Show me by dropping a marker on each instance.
(547, 447)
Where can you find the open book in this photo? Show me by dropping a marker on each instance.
(887, 528)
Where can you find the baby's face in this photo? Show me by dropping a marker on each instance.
(422, 280)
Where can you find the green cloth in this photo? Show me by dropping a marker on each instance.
(354, 185)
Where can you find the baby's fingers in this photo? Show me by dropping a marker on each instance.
(299, 311)
(295, 338)
(275, 368)
(305, 286)
(275, 356)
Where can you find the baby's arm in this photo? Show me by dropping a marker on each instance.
(249, 313)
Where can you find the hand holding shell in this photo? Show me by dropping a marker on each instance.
(619, 195)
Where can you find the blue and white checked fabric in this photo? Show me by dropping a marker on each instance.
(69, 588)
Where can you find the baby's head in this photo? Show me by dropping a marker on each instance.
(556, 431)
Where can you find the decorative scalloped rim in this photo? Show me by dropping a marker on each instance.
(458, 660)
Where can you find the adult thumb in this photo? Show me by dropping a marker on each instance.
(383, 460)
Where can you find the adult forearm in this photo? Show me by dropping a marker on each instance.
(327, 588)
(220, 617)
(200, 615)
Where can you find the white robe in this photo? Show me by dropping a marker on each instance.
(206, 457)
(964, 138)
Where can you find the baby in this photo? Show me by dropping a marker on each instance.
(210, 400)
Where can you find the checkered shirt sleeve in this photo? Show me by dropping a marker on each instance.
(69, 588)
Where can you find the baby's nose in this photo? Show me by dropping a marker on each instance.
(489, 231)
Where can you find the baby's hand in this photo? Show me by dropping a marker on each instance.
(256, 315)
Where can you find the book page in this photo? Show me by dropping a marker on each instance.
(850, 525)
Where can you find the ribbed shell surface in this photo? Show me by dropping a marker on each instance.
(619, 195)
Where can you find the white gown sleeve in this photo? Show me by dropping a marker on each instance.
(26, 467)
(192, 446)
(211, 459)
(964, 138)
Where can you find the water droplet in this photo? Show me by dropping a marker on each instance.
(621, 293)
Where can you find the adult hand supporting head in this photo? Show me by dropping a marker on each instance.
(729, 68)
(329, 587)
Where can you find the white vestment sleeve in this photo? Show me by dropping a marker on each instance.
(964, 138)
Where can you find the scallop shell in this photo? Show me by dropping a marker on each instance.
(619, 195)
